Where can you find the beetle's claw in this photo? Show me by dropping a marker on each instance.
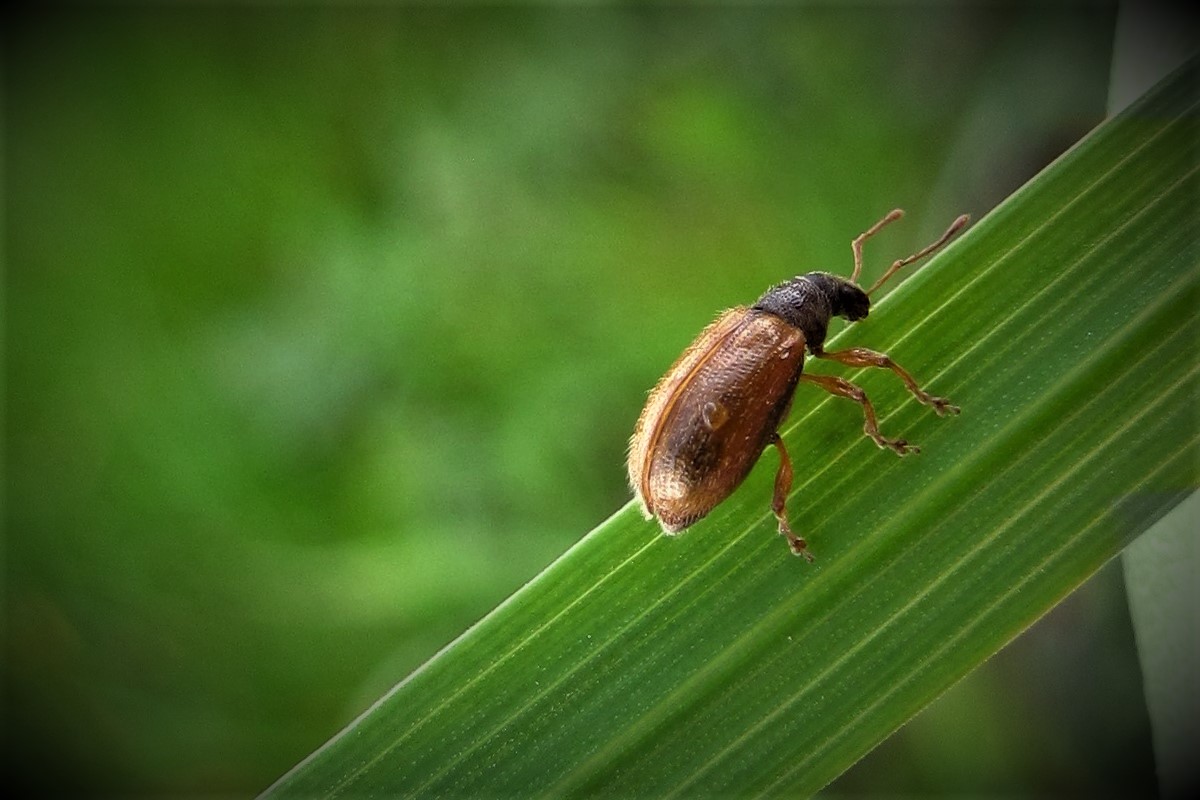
(900, 447)
(942, 406)
(800, 548)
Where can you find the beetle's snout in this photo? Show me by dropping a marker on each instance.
(855, 314)
(854, 302)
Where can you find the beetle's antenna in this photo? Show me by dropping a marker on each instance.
(954, 228)
(857, 244)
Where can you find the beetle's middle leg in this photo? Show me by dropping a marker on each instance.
(783, 485)
(862, 357)
(844, 388)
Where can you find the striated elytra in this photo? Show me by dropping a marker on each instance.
(710, 417)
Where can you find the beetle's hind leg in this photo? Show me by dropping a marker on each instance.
(844, 388)
(783, 485)
(862, 357)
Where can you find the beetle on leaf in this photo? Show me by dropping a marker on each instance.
(710, 417)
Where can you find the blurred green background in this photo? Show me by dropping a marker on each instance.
(325, 331)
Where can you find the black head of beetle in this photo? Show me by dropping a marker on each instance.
(809, 301)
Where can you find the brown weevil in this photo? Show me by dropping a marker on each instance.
(711, 416)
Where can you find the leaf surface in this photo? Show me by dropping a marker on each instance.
(1064, 324)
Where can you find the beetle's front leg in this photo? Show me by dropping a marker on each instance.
(783, 485)
(862, 357)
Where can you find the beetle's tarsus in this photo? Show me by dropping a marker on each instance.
(944, 407)
(900, 447)
(798, 546)
(941, 405)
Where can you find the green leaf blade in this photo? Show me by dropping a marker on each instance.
(1064, 324)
